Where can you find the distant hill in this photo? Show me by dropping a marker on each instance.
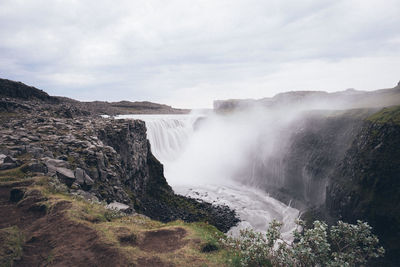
(124, 107)
(17, 95)
(349, 98)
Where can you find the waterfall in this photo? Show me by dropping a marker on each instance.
(168, 134)
(214, 160)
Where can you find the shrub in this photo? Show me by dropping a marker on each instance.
(340, 245)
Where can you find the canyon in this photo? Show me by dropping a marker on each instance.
(323, 156)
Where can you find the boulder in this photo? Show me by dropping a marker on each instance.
(65, 175)
(83, 179)
(53, 164)
(117, 206)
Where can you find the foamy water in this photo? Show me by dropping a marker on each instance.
(200, 164)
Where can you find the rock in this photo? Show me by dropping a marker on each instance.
(37, 167)
(65, 175)
(53, 164)
(8, 159)
(83, 179)
(117, 206)
(79, 175)
(56, 162)
(48, 154)
(2, 157)
(7, 166)
(36, 152)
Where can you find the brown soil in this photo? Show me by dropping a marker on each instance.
(54, 240)
(164, 240)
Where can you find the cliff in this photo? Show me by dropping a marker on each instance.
(366, 183)
(338, 165)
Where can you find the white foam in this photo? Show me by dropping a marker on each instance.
(203, 164)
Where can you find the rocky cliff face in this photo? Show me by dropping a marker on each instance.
(341, 165)
(309, 150)
(74, 152)
(366, 184)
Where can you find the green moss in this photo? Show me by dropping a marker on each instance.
(11, 241)
(386, 115)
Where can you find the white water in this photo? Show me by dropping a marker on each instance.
(203, 164)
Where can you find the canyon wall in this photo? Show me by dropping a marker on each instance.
(340, 166)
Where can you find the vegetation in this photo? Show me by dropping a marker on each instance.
(11, 240)
(340, 245)
(12, 174)
(386, 115)
(127, 233)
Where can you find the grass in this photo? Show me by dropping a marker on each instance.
(111, 228)
(11, 240)
(121, 231)
(386, 115)
(12, 174)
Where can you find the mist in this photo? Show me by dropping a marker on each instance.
(266, 161)
(223, 145)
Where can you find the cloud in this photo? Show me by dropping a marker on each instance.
(187, 53)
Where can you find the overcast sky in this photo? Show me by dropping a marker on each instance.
(186, 53)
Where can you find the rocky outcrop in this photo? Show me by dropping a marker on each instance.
(366, 184)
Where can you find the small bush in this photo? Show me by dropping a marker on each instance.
(340, 245)
(113, 214)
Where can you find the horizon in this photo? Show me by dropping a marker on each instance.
(212, 107)
(186, 55)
